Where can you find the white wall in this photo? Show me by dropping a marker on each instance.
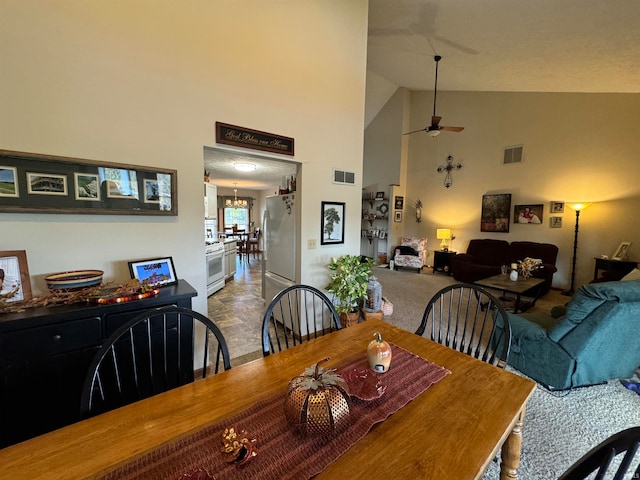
(578, 147)
(143, 83)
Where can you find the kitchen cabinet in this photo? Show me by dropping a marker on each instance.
(45, 353)
(210, 201)
(230, 253)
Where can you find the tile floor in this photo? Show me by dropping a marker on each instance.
(238, 309)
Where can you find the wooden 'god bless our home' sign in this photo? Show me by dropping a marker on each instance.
(246, 137)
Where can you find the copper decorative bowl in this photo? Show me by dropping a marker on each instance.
(75, 280)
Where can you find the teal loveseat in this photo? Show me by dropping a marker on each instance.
(595, 338)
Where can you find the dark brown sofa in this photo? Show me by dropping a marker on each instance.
(485, 256)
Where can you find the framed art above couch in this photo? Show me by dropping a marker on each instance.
(496, 209)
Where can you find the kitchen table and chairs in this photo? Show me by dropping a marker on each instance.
(436, 413)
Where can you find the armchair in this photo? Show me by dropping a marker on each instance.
(592, 340)
(411, 253)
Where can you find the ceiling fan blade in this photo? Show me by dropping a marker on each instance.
(452, 129)
(435, 120)
(416, 131)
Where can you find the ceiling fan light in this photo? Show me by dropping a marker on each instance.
(244, 167)
(433, 133)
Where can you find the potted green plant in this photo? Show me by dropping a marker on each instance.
(348, 285)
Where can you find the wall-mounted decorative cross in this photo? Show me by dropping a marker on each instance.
(448, 168)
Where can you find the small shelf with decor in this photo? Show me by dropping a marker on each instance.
(375, 224)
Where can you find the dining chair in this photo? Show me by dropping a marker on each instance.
(242, 248)
(607, 459)
(469, 319)
(254, 242)
(160, 349)
(297, 314)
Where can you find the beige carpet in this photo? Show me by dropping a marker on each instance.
(409, 292)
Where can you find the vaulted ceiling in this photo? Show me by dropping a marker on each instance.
(507, 45)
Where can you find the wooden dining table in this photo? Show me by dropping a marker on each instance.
(452, 430)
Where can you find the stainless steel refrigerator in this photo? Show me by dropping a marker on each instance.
(280, 245)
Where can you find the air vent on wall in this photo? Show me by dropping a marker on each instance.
(513, 154)
(340, 176)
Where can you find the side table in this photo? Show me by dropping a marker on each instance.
(620, 267)
(442, 261)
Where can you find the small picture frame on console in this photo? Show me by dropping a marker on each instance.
(15, 284)
(158, 272)
(621, 252)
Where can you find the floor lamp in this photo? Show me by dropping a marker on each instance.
(578, 207)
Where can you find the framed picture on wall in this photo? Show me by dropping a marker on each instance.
(496, 210)
(399, 203)
(332, 219)
(397, 216)
(556, 207)
(531, 214)
(555, 222)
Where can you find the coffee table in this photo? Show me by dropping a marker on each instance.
(520, 286)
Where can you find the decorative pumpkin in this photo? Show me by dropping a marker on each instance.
(317, 402)
(379, 353)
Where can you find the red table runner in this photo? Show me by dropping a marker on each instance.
(281, 452)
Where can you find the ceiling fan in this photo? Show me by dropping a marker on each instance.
(435, 128)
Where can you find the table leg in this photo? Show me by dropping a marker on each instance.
(511, 450)
(517, 304)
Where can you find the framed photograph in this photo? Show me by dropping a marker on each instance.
(399, 203)
(379, 195)
(38, 183)
(121, 183)
(555, 222)
(8, 181)
(528, 214)
(621, 252)
(397, 216)
(87, 186)
(15, 285)
(151, 191)
(332, 218)
(496, 211)
(46, 184)
(158, 272)
(556, 207)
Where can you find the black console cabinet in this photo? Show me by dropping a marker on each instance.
(45, 353)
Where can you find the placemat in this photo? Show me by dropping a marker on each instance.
(282, 453)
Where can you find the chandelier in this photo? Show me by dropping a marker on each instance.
(236, 203)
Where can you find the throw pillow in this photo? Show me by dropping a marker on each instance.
(632, 275)
(406, 250)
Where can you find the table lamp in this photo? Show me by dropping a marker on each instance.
(443, 234)
(578, 207)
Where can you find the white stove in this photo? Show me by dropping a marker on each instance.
(212, 247)
(214, 256)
